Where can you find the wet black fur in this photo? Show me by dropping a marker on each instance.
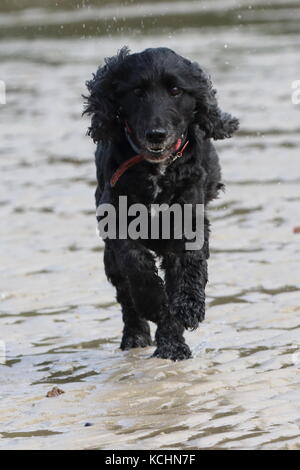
(177, 302)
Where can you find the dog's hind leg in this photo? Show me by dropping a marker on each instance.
(136, 332)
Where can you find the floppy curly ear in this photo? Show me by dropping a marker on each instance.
(101, 103)
(214, 122)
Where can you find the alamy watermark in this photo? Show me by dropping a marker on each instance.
(159, 221)
(296, 92)
(2, 92)
(2, 352)
(296, 358)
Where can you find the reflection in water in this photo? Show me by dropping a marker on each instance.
(59, 319)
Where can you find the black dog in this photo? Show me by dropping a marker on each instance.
(157, 112)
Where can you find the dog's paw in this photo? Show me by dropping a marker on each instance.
(189, 314)
(135, 340)
(176, 351)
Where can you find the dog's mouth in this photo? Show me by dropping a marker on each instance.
(160, 153)
(155, 152)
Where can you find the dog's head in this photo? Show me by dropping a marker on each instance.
(154, 97)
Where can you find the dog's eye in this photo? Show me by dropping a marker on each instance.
(138, 92)
(175, 91)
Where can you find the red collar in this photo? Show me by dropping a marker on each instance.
(138, 158)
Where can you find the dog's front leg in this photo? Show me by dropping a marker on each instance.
(169, 339)
(186, 278)
(136, 332)
(185, 266)
(146, 288)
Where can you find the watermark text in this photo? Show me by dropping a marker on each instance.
(2, 352)
(2, 92)
(296, 92)
(154, 222)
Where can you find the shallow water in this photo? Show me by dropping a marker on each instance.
(58, 316)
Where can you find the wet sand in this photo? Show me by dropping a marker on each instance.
(58, 315)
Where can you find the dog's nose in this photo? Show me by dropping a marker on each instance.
(156, 135)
